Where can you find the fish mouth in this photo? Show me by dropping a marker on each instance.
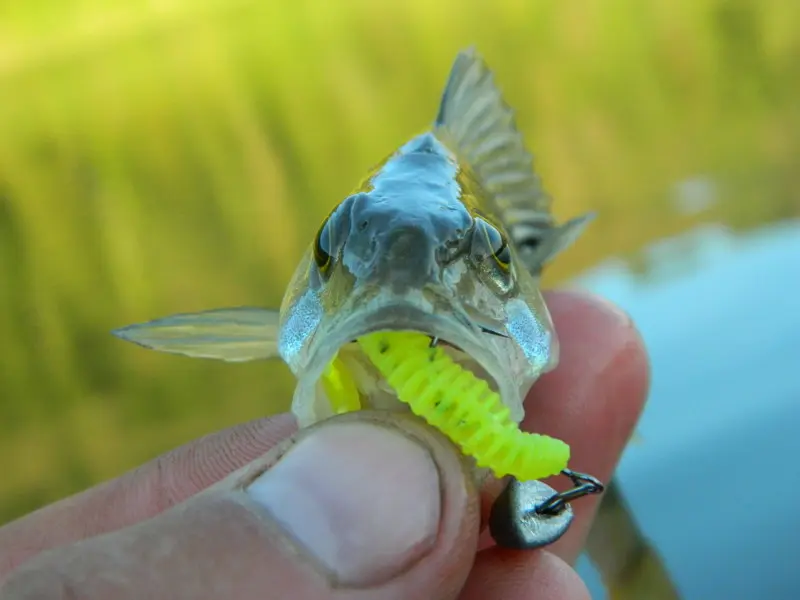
(468, 344)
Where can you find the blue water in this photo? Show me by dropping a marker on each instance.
(715, 481)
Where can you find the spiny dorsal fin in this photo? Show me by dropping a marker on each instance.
(478, 125)
(475, 118)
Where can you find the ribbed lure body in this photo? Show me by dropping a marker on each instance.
(454, 401)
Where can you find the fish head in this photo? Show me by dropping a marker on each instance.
(420, 258)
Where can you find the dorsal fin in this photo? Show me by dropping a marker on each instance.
(474, 117)
(479, 127)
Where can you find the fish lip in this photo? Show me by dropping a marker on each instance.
(394, 317)
(404, 315)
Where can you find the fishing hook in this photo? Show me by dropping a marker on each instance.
(584, 486)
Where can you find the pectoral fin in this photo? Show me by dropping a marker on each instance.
(229, 334)
(540, 245)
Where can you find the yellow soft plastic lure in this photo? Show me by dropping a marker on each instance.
(453, 400)
(340, 387)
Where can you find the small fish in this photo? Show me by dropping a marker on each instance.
(447, 236)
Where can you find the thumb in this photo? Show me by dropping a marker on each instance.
(364, 506)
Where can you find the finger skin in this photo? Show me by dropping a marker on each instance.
(502, 574)
(600, 386)
(222, 544)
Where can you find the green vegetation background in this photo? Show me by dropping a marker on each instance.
(169, 157)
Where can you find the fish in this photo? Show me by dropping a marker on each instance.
(447, 236)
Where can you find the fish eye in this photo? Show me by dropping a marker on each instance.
(491, 242)
(322, 247)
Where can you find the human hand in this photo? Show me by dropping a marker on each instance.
(365, 506)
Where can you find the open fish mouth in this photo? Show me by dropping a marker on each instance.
(459, 393)
(468, 345)
(374, 391)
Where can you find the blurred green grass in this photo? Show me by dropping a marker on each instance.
(168, 157)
